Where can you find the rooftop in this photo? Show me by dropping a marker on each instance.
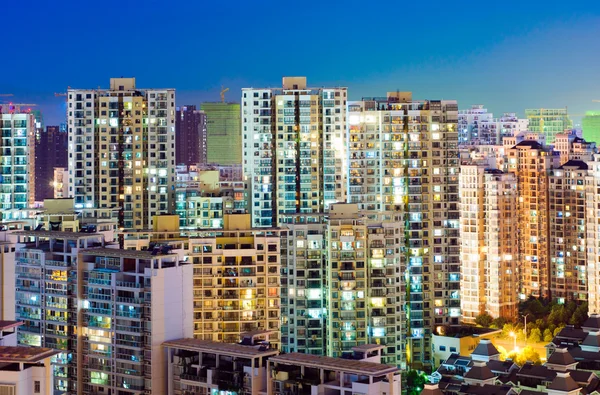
(561, 357)
(119, 253)
(15, 354)
(459, 331)
(9, 324)
(191, 344)
(367, 347)
(337, 364)
(485, 347)
(529, 144)
(581, 165)
(55, 234)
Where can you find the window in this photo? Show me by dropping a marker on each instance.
(442, 348)
(37, 387)
(452, 349)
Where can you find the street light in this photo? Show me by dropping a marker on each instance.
(514, 336)
(525, 329)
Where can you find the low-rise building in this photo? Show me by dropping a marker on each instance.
(297, 373)
(26, 370)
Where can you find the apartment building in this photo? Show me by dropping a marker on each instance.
(305, 373)
(197, 366)
(303, 285)
(364, 278)
(17, 162)
(51, 148)
(489, 254)
(236, 274)
(204, 195)
(205, 367)
(190, 136)
(236, 280)
(570, 146)
(501, 242)
(46, 296)
(294, 154)
(478, 126)
(104, 310)
(548, 122)
(26, 370)
(567, 213)
(403, 156)
(133, 301)
(122, 150)
(531, 162)
(592, 207)
(223, 133)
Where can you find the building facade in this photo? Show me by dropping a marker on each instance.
(489, 253)
(190, 136)
(294, 149)
(531, 163)
(404, 157)
(477, 126)
(51, 151)
(17, 162)
(223, 133)
(122, 150)
(548, 122)
(106, 311)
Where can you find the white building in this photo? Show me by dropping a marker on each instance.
(478, 126)
(121, 150)
(294, 149)
(61, 183)
(26, 370)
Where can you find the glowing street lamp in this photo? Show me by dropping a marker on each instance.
(514, 336)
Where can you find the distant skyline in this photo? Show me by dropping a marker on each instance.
(505, 55)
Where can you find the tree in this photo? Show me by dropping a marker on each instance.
(415, 382)
(525, 355)
(484, 320)
(548, 335)
(536, 335)
(499, 322)
(557, 330)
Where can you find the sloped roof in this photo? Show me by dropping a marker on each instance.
(478, 372)
(485, 347)
(500, 366)
(536, 371)
(592, 339)
(529, 143)
(562, 357)
(563, 382)
(581, 165)
(593, 322)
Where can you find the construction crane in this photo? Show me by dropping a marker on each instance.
(59, 94)
(223, 90)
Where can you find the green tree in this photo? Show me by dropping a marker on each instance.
(535, 335)
(548, 335)
(557, 330)
(484, 320)
(415, 382)
(499, 322)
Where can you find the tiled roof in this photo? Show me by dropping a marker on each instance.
(561, 357)
(479, 373)
(563, 382)
(485, 347)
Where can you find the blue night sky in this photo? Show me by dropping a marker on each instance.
(507, 55)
